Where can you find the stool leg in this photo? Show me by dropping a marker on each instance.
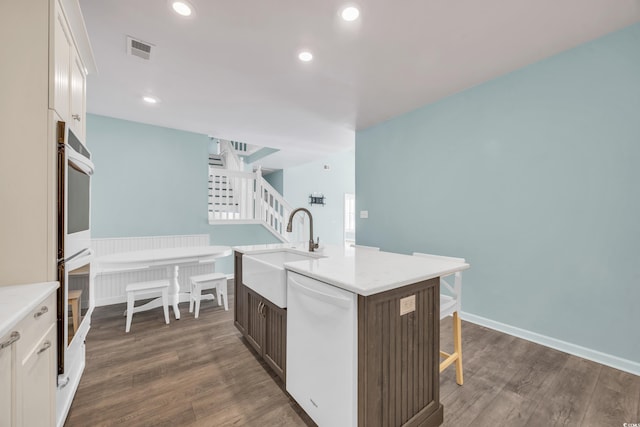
(165, 304)
(74, 314)
(197, 295)
(457, 346)
(129, 311)
(222, 291)
(191, 299)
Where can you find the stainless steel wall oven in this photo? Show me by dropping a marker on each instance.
(75, 302)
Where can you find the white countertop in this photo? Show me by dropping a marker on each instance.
(17, 301)
(361, 271)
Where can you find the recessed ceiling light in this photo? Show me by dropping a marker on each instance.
(182, 8)
(305, 56)
(150, 99)
(350, 13)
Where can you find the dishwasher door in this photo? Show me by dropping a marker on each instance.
(322, 374)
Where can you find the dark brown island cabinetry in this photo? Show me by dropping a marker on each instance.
(240, 295)
(398, 349)
(262, 323)
(398, 357)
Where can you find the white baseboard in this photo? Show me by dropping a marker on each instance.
(566, 347)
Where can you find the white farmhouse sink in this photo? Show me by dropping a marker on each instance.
(265, 273)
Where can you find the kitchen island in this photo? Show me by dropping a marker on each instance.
(357, 341)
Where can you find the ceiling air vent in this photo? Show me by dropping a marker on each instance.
(139, 48)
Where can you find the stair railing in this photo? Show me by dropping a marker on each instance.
(247, 197)
(231, 195)
(274, 210)
(231, 158)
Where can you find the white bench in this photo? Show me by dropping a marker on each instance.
(136, 289)
(208, 281)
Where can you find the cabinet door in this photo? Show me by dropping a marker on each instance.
(275, 337)
(61, 68)
(77, 106)
(7, 382)
(240, 296)
(255, 321)
(37, 376)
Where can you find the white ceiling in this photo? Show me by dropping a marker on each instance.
(232, 70)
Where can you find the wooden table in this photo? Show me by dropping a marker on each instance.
(171, 258)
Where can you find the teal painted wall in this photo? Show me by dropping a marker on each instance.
(533, 177)
(152, 181)
(300, 181)
(276, 179)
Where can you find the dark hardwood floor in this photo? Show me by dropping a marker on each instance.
(200, 373)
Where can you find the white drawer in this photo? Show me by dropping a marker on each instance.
(36, 323)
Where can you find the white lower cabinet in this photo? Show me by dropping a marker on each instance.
(7, 380)
(28, 369)
(36, 391)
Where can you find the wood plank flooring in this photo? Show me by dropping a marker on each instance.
(200, 373)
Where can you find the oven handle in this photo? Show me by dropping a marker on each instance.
(81, 258)
(79, 161)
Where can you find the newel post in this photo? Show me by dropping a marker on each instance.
(258, 193)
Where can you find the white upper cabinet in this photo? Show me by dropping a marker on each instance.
(77, 107)
(62, 46)
(68, 75)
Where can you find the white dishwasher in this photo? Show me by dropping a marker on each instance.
(322, 351)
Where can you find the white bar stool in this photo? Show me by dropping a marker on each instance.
(450, 305)
(135, 289)
(208, 281)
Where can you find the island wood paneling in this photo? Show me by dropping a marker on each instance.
(398, 358)
(263, 324)
(275, 338)
(239, 311)
(255, 321)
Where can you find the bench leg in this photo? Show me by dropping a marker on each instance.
(222, 291)
(196, 295)
(165, 304)
(130, 300)
(191, 299)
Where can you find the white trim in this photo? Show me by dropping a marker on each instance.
(245, 222)
(566, 347)
(72, 12)
(233, 221)
(66, 393)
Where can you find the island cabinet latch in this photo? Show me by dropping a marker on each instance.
(407, 305)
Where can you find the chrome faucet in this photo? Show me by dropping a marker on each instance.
(312, 245)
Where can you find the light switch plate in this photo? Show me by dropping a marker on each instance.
(364, 214)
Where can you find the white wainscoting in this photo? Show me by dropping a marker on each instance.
(109, 286)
